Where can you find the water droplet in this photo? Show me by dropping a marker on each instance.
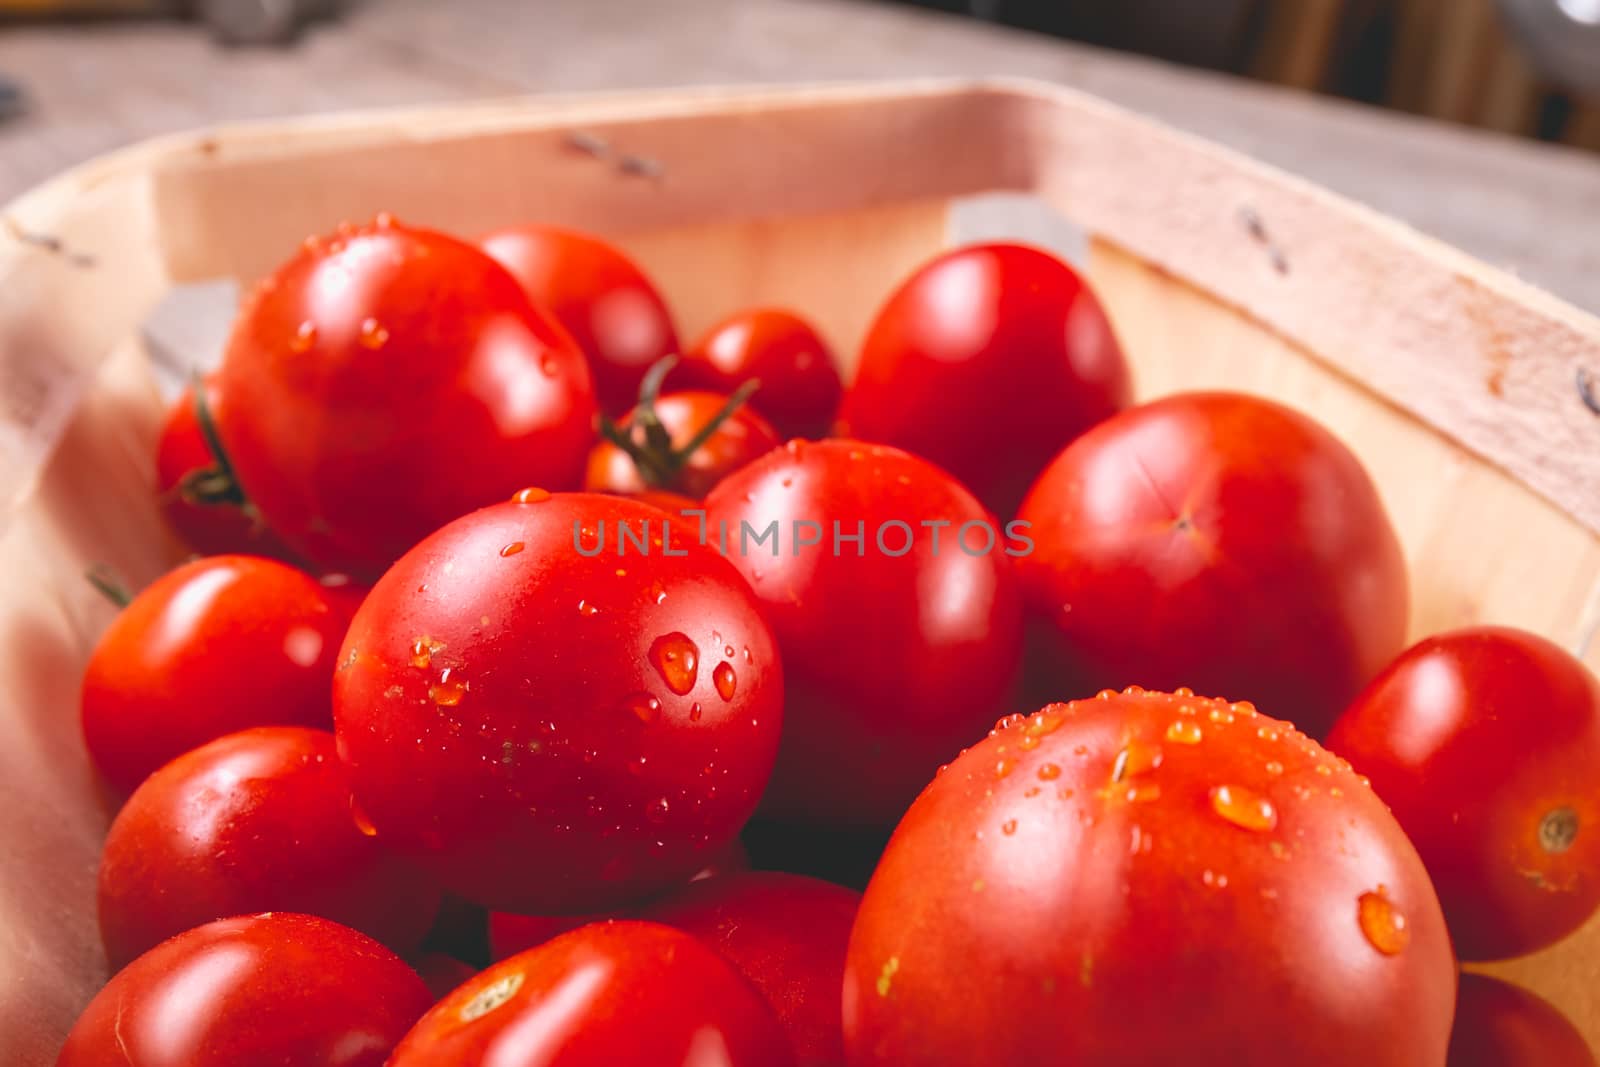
(1045, 722)
(547, 365)
(746, 653)
(362, 820)
(728, 651)
(1244, 808)
(512, 549)
(1183, 691)
(1105, 694)
(531, 495)
(1267, 733)
(374, 335)
(1003, 768)
(1028, 743)
(422, 651)
(1214, 880)
(586, 608)
(1008, 827)
(304, 337)
(903, 479)
(1049, 772)
(1383, 924)
(677, 659)
(644, 707)
(1183, 732)
(1135, 758)
(637, 765)
(695, 713)
(1274, 768)
(1143, 793)
(725, 680)
(1133, 691)
(622, 572)
(447, 692)
(1324, 770)
(1220, 715)
(657, 810)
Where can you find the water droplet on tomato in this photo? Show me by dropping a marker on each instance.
(695, 713)
(1383, 924)
(1183, 691)
(1274, 767)
(1213, 879)
(531, 495)
(586, 608)
(1135, 758)
(1244, 808)
(725, 680)
(422, 650)
(677, 659)
(1267, 733)
(1183, 732)
(447, 692)
(1003, 768)
(657, 810)
(512, 549)
(1222, 716)
(362, 820)
(373, 334)
(548, 366)
(644, 707)
(1008, 827)
(1143, 793)
(1049, 772)
(1105, 694)
(304, 337)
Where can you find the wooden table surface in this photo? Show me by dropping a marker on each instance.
(1534, 209)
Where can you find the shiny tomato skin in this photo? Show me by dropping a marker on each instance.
(893, 662)
(181, 449)
(987, 361)
(787, 934)
(1501, 1025)
(800, 384)
(254, 991)
(1123, 882)
(525, 719)
(217, 645)
(1219, 541)
(392, 379)
(1485, 742)
(255, 821)
(612, 994)
(742, 437)
(603, 299)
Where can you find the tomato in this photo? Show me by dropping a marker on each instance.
(346, 593)
(899, 649)
(257, 991)
(1500, 1025)
(443, 974)
(1214, 540)
(187, 475)
(615, 994)
(552, 731)
(683, 443)
(1148, 878)
(800, 384)
(510, 933)
(215, 646)
(378, 385)
(786, 934)
(256, 821)
(987, 361)
(1486, 744)
(601, 296)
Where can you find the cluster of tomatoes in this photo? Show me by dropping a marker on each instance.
(514, 616)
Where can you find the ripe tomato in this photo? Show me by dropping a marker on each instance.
(800, 384)
(215, 646)
(256, 821)
(186, 476)
(787, 934)
(1485, 742)
(683, 443)
(1148, 878)
(552, 731)
(895, 656)
(256, 991)
(987, 361)
(615, 994)
(1214, 540)
(1500, 1025)
(601, 296)
(381, 384)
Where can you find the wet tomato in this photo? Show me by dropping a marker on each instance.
(215, 646)
(987, 361)
(800, 384)
(684, 443)
(552, 717)
(1486, 744)
(615, 994)
(787, 934)
(1219, 541)
(256, 821)
(198, 500)
(1148, 878)
(391, 379)
(257, 991)
(601, 296)
(899, 646)
(1500, 1025)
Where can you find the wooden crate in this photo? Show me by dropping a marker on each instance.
(1459, 386)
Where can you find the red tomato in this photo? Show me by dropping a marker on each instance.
(551, 731)
(1214, 540)
(1486, 744)
(895, 657)
(510, 933)
(600, 295)
(186, 469)
(787, 934)
(987, 361)
(215, 646)
(381, 384)
(674, 504)
(1142, 879)
(1499, 1025)
(659, 455)
(443, 974)
(616, 994)
(256, 821)
(800, 385)
(258, 991)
